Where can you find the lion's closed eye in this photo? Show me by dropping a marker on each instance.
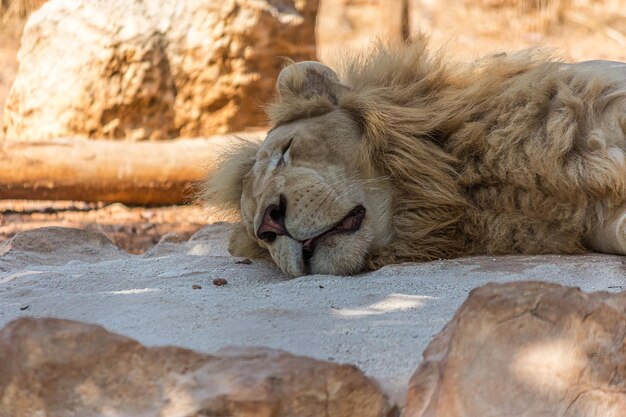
(285, 157)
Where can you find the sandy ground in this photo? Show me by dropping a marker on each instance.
(380, 321)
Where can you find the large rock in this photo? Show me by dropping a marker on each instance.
(152, 69)
(526, 350)
(61, 368)
(56, 246)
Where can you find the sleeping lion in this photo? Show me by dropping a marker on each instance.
(405, 156)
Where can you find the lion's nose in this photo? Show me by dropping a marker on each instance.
(273, 223)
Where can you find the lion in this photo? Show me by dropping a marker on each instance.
(407, 156)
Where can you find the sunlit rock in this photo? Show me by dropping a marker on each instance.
(526, 349)
(55, 368)
(152, 69)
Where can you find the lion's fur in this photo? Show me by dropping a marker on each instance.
(225, 187)
(502, 155)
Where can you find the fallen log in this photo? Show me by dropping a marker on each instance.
(134, 173)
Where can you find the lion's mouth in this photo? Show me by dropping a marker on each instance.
(349, 224)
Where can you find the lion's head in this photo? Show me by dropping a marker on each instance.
(304, 194)
(353, 174)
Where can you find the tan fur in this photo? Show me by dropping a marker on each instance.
(508, 154)
(225, 187)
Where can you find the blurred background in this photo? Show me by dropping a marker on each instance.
(111, 110)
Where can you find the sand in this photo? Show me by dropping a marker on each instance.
(380, 321)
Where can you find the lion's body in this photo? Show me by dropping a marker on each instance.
(510, 154)
(545, 163)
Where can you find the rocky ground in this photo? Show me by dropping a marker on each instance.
(134, 229)
(194, 295)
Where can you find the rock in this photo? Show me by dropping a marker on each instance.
(56, 246)
(57, 368)
(152, 69)
(526, 349)
(211, 240)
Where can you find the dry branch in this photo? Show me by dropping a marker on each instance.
(139, 173)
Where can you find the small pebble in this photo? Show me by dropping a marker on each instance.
(245, 262)
(321, 286)
(196, 287)
(24, 308)
(219, 282)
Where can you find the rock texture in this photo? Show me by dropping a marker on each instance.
(152, 69)
(61, 368)
(526, 350)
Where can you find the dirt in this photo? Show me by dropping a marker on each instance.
(134, 229)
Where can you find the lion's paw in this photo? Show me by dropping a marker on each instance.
(611, 236)
(620, 233)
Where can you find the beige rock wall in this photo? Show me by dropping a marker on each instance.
(152, 69)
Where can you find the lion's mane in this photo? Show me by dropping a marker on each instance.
(496, 156)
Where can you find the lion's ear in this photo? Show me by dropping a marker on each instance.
(224, 187)
(309, 79)
(241, 244)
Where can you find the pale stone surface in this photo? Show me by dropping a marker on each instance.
(152, 69)
(379, 321)
(526, 349)
(61, 368)
(56, 246)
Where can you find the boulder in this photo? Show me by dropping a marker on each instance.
(61, 368)
(56, 246)
(526, 349)
(152, 69)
